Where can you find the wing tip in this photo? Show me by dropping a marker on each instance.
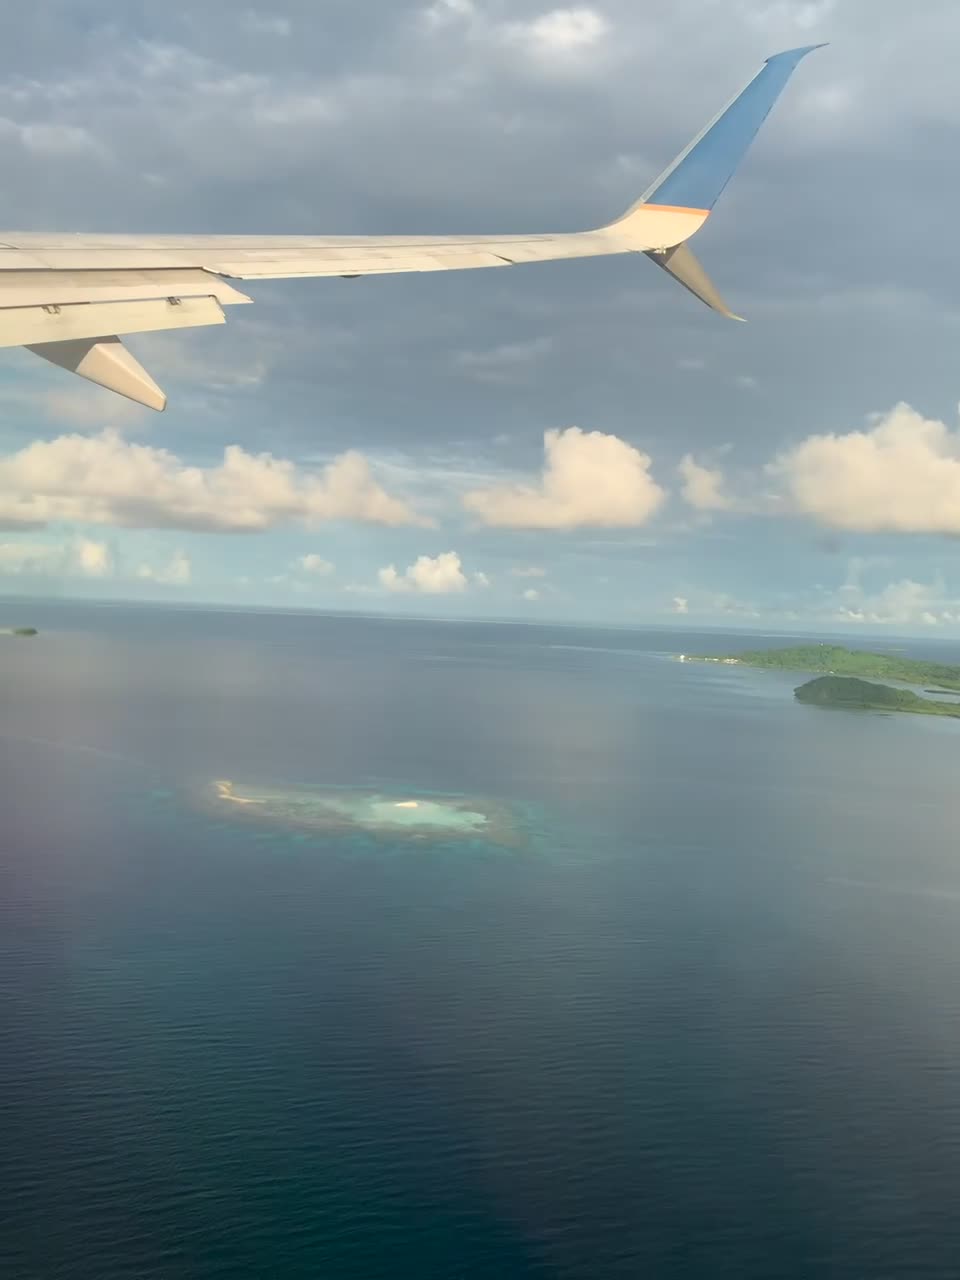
(794, 55)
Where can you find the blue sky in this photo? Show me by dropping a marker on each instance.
(575, 440)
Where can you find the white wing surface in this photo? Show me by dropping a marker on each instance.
(69, 298)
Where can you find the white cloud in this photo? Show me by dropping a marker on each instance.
(105, 479)
(175, 573)
(905, 601)
(429, 575)
(314, 563)
(589, 479)
(706, 603)
(81, 557)
(528, 571)
(703, 486)
(558, 36)
(561, 40)
(902, 475)
(531, 594)
(93, 558)
(481, 579)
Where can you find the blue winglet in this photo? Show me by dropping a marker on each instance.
(701, 171)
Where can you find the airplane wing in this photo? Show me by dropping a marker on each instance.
(70, 298)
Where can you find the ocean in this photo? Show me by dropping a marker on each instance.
(700, 1019)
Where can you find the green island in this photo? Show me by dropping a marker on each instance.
(19, 631)
(835, 660)
(851, 693)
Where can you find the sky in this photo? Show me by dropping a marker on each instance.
(575, 440)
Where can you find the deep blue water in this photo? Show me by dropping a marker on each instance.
(705, 1023)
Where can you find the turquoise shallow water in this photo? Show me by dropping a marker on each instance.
(319, 809)
(702, 1019)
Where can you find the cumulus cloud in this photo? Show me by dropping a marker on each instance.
(429, 575)
(680, 604)
(81, 557)
(901, 475)
(589, 479)
(703, 487)
(481, 579)
(93, 558)
(314, 563)
(175, 573)
(105, 479)
(905, 601)
(531, 594)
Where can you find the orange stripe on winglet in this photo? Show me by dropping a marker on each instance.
(676, 208)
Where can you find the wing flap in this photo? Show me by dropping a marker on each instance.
(26, 326)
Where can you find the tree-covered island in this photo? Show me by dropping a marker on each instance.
(835, 660)
(840, 676)
(853, 694)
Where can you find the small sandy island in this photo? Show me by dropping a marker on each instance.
(319, 808)
(225, 792)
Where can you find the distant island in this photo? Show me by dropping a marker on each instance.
(835, 660)
(19, 631)
(850, 693)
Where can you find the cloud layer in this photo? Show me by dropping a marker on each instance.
(105, 479)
